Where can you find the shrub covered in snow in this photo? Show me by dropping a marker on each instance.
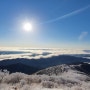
(66, 81)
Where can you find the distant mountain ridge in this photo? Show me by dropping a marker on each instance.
(19, 67)
(39, 64)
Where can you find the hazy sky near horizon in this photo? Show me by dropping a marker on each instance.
(56, 23)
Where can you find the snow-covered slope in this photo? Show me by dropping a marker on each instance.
(78, 68)
(62, 77)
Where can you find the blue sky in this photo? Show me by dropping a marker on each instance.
(56, 23)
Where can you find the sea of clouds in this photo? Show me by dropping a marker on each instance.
(36, 53)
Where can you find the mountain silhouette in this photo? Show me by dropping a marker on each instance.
(30, 66)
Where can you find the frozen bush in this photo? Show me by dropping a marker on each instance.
(13, 78)
(20, 81)
(77, 88)
(4, 87)
(33, 79)
(26, 87)
(3, 74)
(23, 82)
(49, 84)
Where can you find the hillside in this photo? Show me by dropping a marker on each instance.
(83, 68)
(19, 64)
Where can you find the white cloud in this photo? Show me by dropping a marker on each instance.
(83, 35)
(38, 53)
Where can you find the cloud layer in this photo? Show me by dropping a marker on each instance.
(39, 53)
(83, 35)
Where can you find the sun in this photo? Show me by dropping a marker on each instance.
(27, 26)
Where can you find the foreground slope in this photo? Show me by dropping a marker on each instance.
(62, 77)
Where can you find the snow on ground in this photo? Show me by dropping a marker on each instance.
(71, 80)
